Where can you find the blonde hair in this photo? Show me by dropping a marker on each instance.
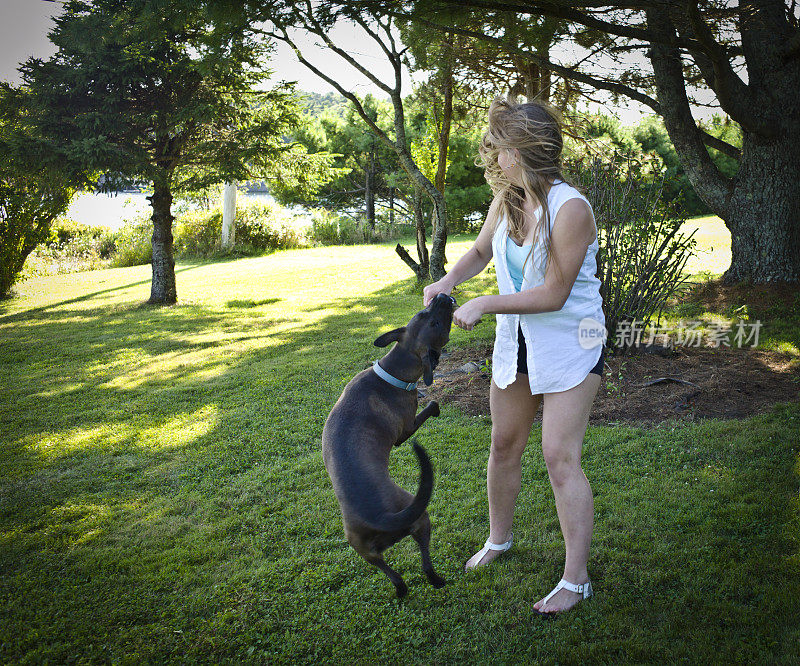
(535, 130)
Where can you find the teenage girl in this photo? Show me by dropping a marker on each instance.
(550, 331)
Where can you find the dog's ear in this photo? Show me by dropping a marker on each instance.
(390, 336)
(429, 363)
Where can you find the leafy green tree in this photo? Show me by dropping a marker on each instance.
(649, 139)
(468, 195)
(363, 160)
(31, 198)
(167, 94)
(28, 206)
(665, 52)
(342, 131)
(466, 192)
(281, 17)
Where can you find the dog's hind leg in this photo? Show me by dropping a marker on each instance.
(422, 535)
(395, 577)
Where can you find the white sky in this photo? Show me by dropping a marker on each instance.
(24, 25)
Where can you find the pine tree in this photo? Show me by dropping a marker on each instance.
(164, 94)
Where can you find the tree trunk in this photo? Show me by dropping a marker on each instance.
(439, 239)
(447, 117)
(229, 215)
(162, 290)
(369, 187)
(532, 81)
(391, 205)
(422, 268)
(439, 218)
(545, 77)
(419, 222)
(764, 213)
(761, 203)
(419, 270)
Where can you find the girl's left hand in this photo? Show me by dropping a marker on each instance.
(468, 314)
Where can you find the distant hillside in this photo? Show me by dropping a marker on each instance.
(316, 103)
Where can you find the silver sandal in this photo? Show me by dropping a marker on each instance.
(491, 546)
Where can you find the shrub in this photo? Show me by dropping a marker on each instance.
(197, 233)
(133, 243)
(329, 228)
(77, 239)
(268, 226)
(642, 254)
(325, 226)
(260, 227)
(71, 247)
(28, 207)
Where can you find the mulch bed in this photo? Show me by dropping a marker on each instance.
(725, 382)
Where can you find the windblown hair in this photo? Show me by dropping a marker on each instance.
(535, 130)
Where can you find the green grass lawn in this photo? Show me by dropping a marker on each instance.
(713, 244)
(163, 497)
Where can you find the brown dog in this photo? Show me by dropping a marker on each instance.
(376, 411)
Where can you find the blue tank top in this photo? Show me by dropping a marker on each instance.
(515, 258)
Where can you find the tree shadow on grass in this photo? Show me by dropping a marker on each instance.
(27, 314)
(164, 495)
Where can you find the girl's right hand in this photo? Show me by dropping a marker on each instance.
(430, 292)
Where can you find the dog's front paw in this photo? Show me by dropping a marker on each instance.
(434, 407)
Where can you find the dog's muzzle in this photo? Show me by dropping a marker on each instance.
(440, 298)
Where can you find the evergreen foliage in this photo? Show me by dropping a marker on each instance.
(165, 94)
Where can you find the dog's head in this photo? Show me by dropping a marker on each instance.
(426, 333)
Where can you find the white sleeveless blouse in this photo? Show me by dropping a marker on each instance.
(562, 346)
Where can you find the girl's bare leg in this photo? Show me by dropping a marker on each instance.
(564, 421)
(513, 410)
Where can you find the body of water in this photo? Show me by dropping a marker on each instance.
(113, 210)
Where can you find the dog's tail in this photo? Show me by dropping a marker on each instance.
(390, 522)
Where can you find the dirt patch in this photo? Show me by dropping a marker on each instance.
(714, 382)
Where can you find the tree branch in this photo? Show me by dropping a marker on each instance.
(544, 62)
(722, 146)
(792, 47)
(400, 145)
(392, 54)
(374, 36)
(571, 73)
(318, 30)
(733, 94)
(346, 93)
(565, 11)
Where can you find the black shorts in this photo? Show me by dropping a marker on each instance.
(522, 357)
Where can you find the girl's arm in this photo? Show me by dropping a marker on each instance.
(472, 263)
(570, 240)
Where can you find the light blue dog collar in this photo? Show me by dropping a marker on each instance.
(392, 380)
